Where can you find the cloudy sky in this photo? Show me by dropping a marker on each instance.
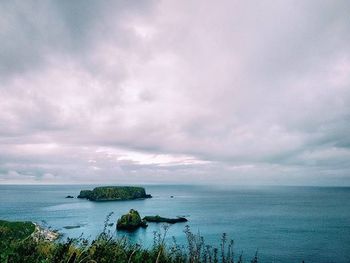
(189, 91)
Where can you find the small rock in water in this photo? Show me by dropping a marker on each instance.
(71, 227)
(159, 219)
(69, 196)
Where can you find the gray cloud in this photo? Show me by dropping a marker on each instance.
(162, 91)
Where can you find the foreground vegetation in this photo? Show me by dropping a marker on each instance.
(20, 247)
(15, 231)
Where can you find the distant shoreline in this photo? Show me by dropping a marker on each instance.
(224, 186)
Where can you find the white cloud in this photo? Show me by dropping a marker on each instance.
(175, 91)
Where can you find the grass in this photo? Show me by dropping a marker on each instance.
(107, 248)
(15, 230)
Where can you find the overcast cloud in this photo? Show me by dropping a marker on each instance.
(234, 92)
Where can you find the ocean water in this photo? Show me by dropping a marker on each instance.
(285, 224)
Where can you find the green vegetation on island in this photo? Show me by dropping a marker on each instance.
(159, 219)
(130, 221)
(114, 193)
(106, 247)
(85, 194)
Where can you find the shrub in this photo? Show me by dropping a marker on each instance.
(107, 248)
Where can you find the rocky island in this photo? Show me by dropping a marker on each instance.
(114, 193)
(130, 221)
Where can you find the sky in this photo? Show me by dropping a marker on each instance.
(189, 91)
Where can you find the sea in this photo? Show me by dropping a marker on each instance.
(281, 224)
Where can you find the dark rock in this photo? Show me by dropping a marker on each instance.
(69, 196)
(159, 219)
(71, 227)
(171, 196)
(130, 221)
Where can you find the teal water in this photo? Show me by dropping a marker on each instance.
(285, 224)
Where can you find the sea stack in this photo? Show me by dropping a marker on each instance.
(131, 221)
